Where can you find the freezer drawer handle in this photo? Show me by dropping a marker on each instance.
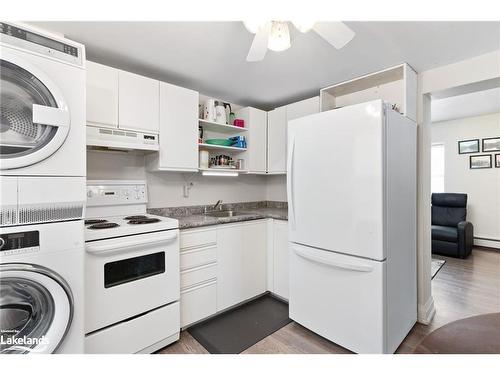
(322, 260)
(129, 245)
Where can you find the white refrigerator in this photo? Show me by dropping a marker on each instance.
(351, 180)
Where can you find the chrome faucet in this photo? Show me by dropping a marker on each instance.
(218, 204)
(214, 207)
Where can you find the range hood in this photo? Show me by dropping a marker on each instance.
(119, 139)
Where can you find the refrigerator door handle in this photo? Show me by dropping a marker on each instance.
(328, 262)
(291, 205)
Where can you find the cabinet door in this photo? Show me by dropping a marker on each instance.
(178, 128)
(229, 266)
(280, 261)
(139, 101)
(102, 95)
(254, 258)
(302, 108)
(276, 140)
(256, 122)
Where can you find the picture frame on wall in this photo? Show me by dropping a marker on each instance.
(480, 161)
(497, 160)
(491, 144)
(469, 146)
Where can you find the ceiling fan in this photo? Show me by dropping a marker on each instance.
(275, 35)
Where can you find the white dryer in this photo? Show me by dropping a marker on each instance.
(41, 288)
(42, 127)
(42, 87)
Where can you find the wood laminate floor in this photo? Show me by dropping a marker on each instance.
(461, 289)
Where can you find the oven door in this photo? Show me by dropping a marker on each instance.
(129, 276)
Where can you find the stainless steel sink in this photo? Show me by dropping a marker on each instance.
(226, 213)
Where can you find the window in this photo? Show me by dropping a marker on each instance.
(437, 168)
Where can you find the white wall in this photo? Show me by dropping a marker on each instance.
(166, 189)
(276, 188)
(481, 185)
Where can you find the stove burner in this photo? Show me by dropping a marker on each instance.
(103, 226)
(146, 220)
(136, 217)
(94, 221)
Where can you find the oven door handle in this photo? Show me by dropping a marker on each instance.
(124, 246)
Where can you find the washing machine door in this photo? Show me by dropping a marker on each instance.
(36, 309)
(34, 117)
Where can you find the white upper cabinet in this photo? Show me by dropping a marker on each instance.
(102, 95)
(396, 85)
(276, 140)
(303, 108)
(277, 131)
(139, 100)
(178, 130)
(256, 122)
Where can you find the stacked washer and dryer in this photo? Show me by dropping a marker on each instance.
(42, 183)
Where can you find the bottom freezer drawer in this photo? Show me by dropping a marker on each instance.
(134, 335)
(339, 297)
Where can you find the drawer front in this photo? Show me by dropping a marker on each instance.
(198, 238)
(145, 330)
(198, 257)
(198, 275)
(198, 303)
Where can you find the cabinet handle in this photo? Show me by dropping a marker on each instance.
(290, 186)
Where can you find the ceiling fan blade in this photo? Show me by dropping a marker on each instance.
(337, 34)
(258, 49)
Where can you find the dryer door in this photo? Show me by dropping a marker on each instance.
(34, 118)
(36, 309)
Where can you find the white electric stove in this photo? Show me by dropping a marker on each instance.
(132, 284)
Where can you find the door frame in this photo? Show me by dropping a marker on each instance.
(474, 74)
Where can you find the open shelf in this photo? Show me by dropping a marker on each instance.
(205, 146)
(220, 128)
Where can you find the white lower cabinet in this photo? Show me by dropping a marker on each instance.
(254, 258)
(198, 267)
(280, 259)
(198, 303)
(224, 265)
(241, 262)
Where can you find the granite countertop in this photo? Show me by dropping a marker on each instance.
(193, 217)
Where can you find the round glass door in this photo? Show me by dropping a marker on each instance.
(36, 309)
(30, 128)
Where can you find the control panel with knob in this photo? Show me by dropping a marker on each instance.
(115, 194)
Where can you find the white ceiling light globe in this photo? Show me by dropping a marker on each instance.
(279, 38)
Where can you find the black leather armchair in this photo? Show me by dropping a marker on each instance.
(452, 235)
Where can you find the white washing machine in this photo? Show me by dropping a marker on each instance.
(41, 288)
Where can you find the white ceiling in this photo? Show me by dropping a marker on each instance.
(467, 105)
(210, 56)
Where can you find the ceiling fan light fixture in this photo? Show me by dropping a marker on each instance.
(303, 25)
(279, 38)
